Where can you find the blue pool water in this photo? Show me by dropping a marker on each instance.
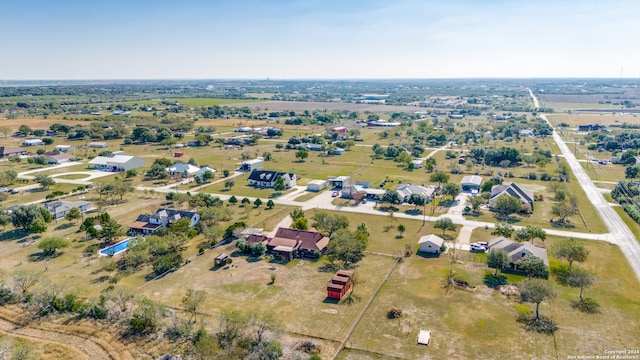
(119, 247)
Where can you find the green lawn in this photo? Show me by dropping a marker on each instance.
(472, 325)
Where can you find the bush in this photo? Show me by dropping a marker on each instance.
(533, 176)
(493, 281)
(394, 313)
(545, 177)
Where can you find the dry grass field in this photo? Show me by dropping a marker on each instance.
(602, 119)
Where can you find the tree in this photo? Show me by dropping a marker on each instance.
(439, 177)
(110, 230)
(24, 216)
(506, 205)
(296, 213)
(245, 201)
(228, 184)
(497, 259)
(279, 184)
(24, 280)
(49, 245)
(270, 204)
(416, 199)
(207, 175)
(430, 164)
(503, 229)
(533, 266)
(45, 181)
(631, 172)
(233, 200)
(529, 233)
(258, 249)
(536, 291)
(191, 302)
(391, 197)
(257, 203)
(401, 229)
(38, 226)
(451, 190)
(327, 224)
(444, 224)
(580, 279)
(476, 202)
(347, 247)
(562, 211)
(300, 223)
(302, 154)
(25, 129)
(570, 250)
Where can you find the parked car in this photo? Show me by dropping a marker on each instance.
(475, 247)
(483, 243)
(15, 191)
(334, 194)
(4, 190)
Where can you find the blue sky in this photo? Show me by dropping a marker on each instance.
(318, 39)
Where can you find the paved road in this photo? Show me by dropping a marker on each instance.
(620, 233)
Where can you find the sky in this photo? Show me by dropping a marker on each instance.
(318, 39)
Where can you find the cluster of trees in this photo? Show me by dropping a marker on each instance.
(109, 231)
(31, 218)
(504, 156)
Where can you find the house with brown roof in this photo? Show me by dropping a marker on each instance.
(291, 243)
(11, 151)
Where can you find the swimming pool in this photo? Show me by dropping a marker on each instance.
(118, 248)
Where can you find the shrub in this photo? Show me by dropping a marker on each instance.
(533, 176)
(394, 313)
(587, 305)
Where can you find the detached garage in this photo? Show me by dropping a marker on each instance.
(317, 185)
(431, 244)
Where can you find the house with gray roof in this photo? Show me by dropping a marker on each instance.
(471, 183)
(150, 224)
(406, 190)
(518, 191)
(517, 251)
(60, 208)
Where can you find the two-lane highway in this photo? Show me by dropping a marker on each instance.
(619, 231)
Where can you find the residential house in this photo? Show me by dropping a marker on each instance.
(417, 164)
(98, 145)
(60, 208)
(251, 165)
(471, 183)
(592, 127)
(267, 178)
(406, 190)
(64, 148)
(431, 244)
(11, 151)
(358, 192)
(288, 244)
(518, 191)
(185, 170)
(32, 142)
(517, 251)
(56, 157)
(339, 130)
(149, 224)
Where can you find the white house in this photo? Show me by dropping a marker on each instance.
(431, 244)
(406, 190)
(188, 169)
(117, 163)
(32, 142)
(417, 164)
(64, 148)
(317, 185)
(267, 178)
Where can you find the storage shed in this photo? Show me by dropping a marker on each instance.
(317, 185)
(430, 244)
(221, 260)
